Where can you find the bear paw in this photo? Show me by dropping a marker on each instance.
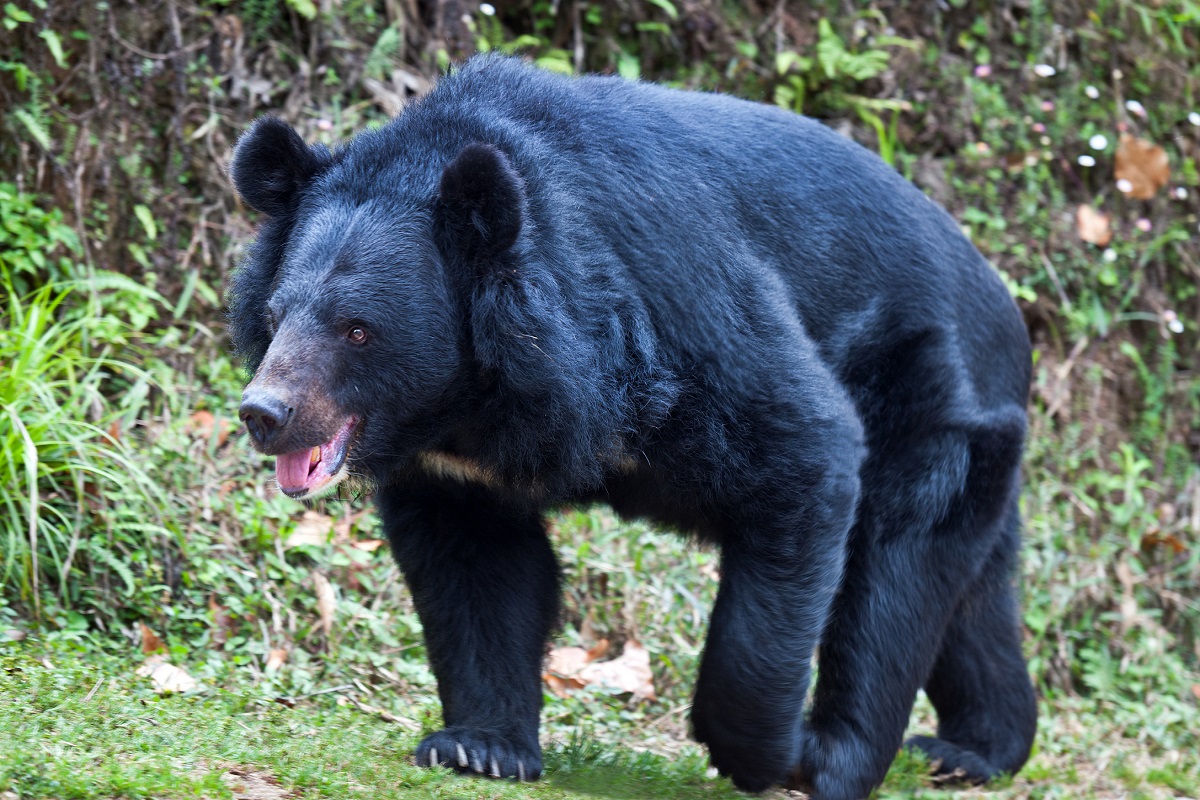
(754, 764)
(480, 752)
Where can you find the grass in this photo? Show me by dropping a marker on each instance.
(78, 725)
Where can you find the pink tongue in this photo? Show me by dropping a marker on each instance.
(291, 469)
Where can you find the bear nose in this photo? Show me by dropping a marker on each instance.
(264, 414)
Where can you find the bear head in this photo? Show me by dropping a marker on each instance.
(350, 308)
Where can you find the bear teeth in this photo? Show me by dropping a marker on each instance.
(315, 456)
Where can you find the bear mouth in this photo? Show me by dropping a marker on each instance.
(305, 474)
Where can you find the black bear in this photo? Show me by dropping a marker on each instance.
(530, 290)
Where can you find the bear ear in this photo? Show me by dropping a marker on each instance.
(271, 164)
(483, 200)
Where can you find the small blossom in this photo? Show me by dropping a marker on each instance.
(1144, 225)
(1039, 127)
(487, 9)
(1174, 324)
(1124, 186)
(1092, 92)
(324, 125)
(983, 70)
(1135, 108)
(982, 148)
(1086, 161)
(1044, 71)
(1109, 255)
(1180, 193)
(1047, 105)
(1194, 118)
(1098, 142)
(1045, 140)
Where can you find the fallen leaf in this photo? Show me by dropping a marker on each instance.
(1094, 226)
(1143, 164)
(201, 425)
(560, 686)
(566, 661)
(571, 668)
(150, 641)
(628, 673)
(276, 659)
(166, 677)
(312, 529)
(326, 601)
(369, 545)
(247, 784)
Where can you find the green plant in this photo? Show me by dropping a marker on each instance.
(831, 73)
(68, 471)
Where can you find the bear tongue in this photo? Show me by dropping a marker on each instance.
(291, 469)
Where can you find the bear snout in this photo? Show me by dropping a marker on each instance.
(265, 414)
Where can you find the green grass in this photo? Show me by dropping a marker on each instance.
(78, 725)
(72, 728)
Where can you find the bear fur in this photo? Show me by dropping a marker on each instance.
(530, 290)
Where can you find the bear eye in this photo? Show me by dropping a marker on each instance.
(357, 334)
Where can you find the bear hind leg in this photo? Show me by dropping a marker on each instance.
(979, 685)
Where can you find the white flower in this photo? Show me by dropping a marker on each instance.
(1092, 92)
(1180, 193)
(487, 9)
(1194, 118)
(1098, 142)
(1135, 108)
(1109, 255)
(1044, 70)
(1174, 324)
(1087, 161)
(1124, 186)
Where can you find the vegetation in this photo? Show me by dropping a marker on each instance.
(135, 523)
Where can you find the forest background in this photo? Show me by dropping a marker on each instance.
(172, 627)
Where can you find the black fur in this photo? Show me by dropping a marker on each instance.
(704, 311)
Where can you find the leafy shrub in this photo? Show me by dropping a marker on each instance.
(61, 455)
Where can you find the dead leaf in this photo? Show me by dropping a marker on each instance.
(201, 425)
(1094, 226)
(150, 641)
(369, 545)
(247, 784)
(571, 668)
(1143, 164)
(628, 673)
(566, 661)
(166, 677)
(276, 659)
(326, 601)
(312, 529)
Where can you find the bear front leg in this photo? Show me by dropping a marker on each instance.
(486, 587)
(780, 570)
